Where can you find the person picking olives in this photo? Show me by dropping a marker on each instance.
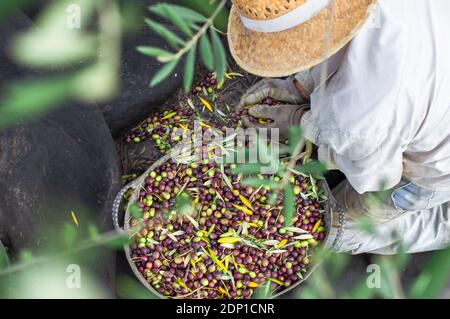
(369, 83)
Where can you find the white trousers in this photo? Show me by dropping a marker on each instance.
(418, 217)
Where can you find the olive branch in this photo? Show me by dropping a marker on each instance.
(195, 27)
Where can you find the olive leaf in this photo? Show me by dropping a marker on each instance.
(174, 40)
(180, 23)
(210, 8)
(186, 20)
(206, 52)
(289, 204)
(189, 69)
(184, 13)
(154, 52)
(163, 73)
(220, 58)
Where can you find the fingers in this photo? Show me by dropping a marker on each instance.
(263, 111)
(258, 95)
(259, 85)
(240, 106)
(245, 100)
(286, 97)
(273, 112)
(249, 123)
(264, 89)
(275, 93)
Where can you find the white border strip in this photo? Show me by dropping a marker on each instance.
(288, 21)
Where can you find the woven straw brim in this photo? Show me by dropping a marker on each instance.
(294, 50)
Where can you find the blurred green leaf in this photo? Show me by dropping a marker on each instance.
(314, 168)
(135, 211)
(267, 155)
(184, 12)
(131, 288)
(163, 73)
(131, 17)
(206, 52)
(189, 69)
(8, 7)
(420, 285)
(289, 204)
(118, 242)
(93, 231)
(174, 40)
(373, 200)
(3, 257)
(390, 278)
(247, 169)
(308, 293)
(154, 52)
(295, 134)
(337, 264)
(365, 225)
(97, 82)
(69, 235)
(263, 292)
(183, 204)
(60, 50)
(360, 290)
(220, 58)
(402, 258)
(257, 182)
(272, 198)
(206, 8)
(64, 45)
(434, 276)
(27, 99)
(25, 255)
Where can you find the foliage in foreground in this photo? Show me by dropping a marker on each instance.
(199, 35)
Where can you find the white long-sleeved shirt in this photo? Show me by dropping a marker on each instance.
(385, 113)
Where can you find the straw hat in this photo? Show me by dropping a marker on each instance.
(274, 38)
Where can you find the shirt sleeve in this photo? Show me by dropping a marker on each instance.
(370, 164)
(355, 118)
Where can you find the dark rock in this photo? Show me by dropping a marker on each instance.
(136, 99)
(64, 161)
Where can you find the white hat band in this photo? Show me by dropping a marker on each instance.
(288, 21)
